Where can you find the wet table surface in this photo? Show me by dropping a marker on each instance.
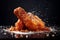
(4, 34)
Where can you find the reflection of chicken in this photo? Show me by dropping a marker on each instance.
(32, 22)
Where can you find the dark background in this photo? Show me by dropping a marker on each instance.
(49, 10)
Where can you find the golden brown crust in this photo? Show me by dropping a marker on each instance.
(32, 22)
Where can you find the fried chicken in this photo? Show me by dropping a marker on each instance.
(18, 25)
(32, 22)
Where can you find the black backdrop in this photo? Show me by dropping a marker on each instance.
(49, 9)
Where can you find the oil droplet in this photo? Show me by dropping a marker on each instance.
(26, 36)
(47, 35)
(4, 33)
(53, 35)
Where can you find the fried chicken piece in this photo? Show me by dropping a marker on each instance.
(32, 22)
(12, 28)
(18, 25)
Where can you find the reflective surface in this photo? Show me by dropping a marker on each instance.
(13, 34)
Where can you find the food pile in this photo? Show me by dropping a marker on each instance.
(27, 22)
